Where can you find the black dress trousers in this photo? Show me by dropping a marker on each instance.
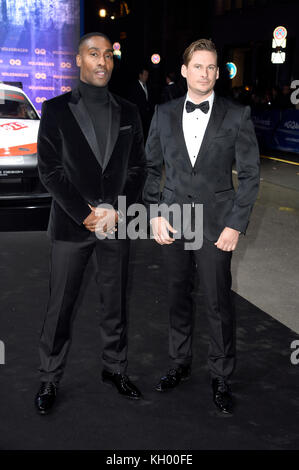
(68, 263)
(212, 266)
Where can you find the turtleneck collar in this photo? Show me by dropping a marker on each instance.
(93, 93)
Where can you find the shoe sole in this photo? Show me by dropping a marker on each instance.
(109, 384)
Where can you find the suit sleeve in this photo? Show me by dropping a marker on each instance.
(51, 171)
(136, 167)
(154, 163)
(247, 158)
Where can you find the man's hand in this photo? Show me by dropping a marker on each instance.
(228, 239)
(107, 220)
(91, 220)
(161, 229)
(101, 220)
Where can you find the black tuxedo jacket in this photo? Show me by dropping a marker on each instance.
(229, 138)
(137, 96)
(69, 161)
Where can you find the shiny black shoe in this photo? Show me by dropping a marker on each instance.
(122, 383)
(173, 378)
(45, 397)
(222, 395)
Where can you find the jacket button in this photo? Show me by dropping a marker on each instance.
(189, 196)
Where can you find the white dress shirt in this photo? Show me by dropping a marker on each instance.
(144, 87)
(194, 127)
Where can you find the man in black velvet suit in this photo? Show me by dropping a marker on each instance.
(198, 137)
(90, 151)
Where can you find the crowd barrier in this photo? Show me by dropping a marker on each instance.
(278, 130)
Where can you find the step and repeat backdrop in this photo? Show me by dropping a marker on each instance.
(38, 45)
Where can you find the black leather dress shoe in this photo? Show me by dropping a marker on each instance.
(45, 397)
(122, 383)
(222, 395)
(173, 378)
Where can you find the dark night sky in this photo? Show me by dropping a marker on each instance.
(168, 27)
(153, 26)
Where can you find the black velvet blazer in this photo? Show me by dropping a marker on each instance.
(229, 138)
(69, 161)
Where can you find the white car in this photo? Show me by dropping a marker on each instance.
(19, 123)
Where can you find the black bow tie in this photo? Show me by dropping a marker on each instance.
(204, 106)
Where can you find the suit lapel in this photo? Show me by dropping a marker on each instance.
(177, 127)
(114, 125)
(217, 115)
(84, 121)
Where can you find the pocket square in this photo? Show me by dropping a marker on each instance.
(123, 128)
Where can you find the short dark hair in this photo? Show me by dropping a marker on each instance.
(91, 35)
(141, 69)
(199, 45)
(171, 76)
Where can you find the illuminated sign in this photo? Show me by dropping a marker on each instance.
(116, 46)
(280, 33)
(278, 57)
(102, 13)
(282, 44)
(117, 54)
(232, 69)
(279, 42)
(155, 59)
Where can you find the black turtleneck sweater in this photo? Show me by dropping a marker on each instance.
(96, 100)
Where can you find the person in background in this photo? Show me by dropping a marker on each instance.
(171, 91)
(140, 94)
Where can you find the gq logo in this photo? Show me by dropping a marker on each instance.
(40, 99)
(65, 65)
(2, 353)
(15, 62)
(41, 75)
(40, 51)
(295, 354)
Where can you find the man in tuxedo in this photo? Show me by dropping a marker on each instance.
(198, 137)
(140, 94)
(90, 151)
(171, 91)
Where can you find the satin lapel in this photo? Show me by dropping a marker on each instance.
(85, 123)
(217, 115)
(177, 127)
(114, 125)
